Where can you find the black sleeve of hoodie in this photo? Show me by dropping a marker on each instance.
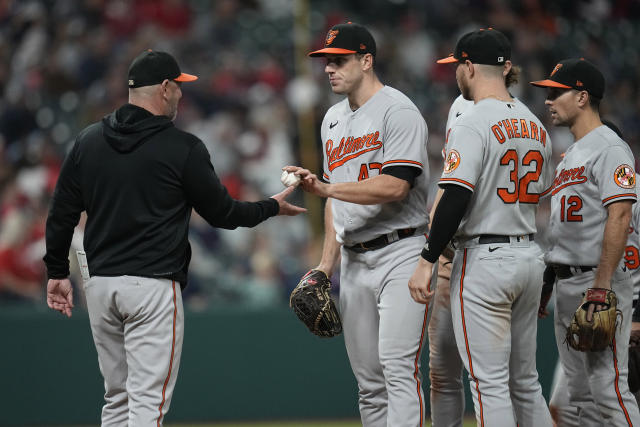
(64, 214)
(211, 200)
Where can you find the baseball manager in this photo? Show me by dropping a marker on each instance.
(138, 177)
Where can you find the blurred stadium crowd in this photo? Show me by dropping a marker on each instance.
(63, 65)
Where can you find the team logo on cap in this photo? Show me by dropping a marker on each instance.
(330, 36)
(452, 161)
(624, 176)
(556, 68)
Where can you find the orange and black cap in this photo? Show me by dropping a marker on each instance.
(344, 39)
(153, 67)
(577, 74)
(484, 46)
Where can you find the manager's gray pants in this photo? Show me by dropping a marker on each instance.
(137, 325)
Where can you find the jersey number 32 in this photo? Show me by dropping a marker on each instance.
(521, 186)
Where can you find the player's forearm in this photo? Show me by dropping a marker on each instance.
(378, 189)
(331, 247)
(616, 231)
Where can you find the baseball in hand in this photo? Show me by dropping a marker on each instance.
(289, 178)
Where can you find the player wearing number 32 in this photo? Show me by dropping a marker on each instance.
(591, 203)
(498, 163)
(376, 176)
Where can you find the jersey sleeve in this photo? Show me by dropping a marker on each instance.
(405, 139)
(635, 218)
(548, 172)
(326, 174)
(463, 163)
(614, 175)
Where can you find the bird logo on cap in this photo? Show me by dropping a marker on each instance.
(332, 35)
(555, 69)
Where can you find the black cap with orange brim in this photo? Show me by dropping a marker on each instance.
(344, 39)
(153, 67)
(578, 74)
(484, 46)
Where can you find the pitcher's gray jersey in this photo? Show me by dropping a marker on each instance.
(501, 152)
(388, 130)
(458, 106)
(596, 170)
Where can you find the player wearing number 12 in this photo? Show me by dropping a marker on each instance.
(591, 201)
(498, 162)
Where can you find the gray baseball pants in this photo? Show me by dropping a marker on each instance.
(385, 332)
(597, 381)
(137, 325)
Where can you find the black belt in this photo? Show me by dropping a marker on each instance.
(565, 271)
(496, 238)
(380, 242)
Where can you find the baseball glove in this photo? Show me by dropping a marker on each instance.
(597, 334)
(311, 302)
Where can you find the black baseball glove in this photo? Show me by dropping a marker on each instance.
(311, 302)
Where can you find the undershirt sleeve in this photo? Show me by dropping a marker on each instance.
(446, 220)
(407, 173)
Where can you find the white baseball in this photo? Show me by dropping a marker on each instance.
(289, 178)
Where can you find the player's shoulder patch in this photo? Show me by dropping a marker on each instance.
(624, 176)
(452, 161)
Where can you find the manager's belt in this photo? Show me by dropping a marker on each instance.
(565, 271)
(382, 241)
(497, 238)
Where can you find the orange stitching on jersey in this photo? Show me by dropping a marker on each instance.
(173, 346)
(545, 192)
(555, 190)
(357, 146)
(466, 340)
(402, 161)
(617, 196)
(458, 180)
(339, 163)
(415, 362)
(573, 176)
(615, 366)
(338, 156)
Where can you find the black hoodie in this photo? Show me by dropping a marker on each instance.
(138, 177)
